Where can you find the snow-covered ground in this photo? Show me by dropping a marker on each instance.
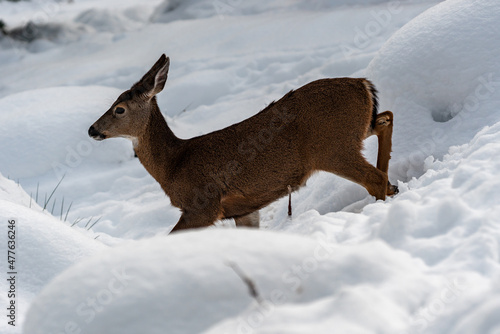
(98, 258)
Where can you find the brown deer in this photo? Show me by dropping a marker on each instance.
(234, 172)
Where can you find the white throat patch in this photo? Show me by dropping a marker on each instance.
(135, 140)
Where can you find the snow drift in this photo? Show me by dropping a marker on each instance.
(160, 283)
(440, 74)
(51, 135)
(44, 246)
(171, 10)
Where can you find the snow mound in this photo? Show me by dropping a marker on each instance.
(448, 218)
(160, 283)
(105, 20)
(53, 32)
(50, 125)
(171, 10)
(442, 67)
(44, 245)
(12, 192)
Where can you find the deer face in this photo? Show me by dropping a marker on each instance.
(129, 114)
(126, 118)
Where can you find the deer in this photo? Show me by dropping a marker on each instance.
(236, 171)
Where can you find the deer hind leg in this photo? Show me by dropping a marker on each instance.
(250, 220)
(362, 172)
(383, 130)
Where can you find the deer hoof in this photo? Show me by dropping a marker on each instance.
(392, 189)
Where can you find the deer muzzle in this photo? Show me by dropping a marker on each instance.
(96, 134)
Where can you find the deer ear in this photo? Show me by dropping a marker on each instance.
(161, 76)
(153, 82)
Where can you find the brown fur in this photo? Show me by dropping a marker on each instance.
(234, 172)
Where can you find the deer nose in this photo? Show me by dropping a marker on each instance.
(95, 134)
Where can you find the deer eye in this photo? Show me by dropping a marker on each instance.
(119, 110)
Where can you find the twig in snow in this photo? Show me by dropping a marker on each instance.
(249, 283)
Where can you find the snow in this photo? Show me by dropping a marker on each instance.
(51, 117)
(44, 246)
(294, 275)
(424, 261)
(455, 103)
(171, 10)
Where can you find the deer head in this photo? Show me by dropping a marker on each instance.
(129, 114)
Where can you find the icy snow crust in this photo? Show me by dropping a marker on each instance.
(425, 261)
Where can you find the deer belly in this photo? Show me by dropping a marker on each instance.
(238, 205)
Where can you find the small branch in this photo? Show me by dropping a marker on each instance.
(249, 283)
(289, 201)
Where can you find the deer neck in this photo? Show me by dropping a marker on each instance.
(157, 147)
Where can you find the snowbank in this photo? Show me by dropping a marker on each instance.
(448, 218)
(106, 20)
(171, 10)
(440, 75)
(186, 284)
(45, 130)
(44, 246)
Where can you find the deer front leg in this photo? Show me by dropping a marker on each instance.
(197, 218)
